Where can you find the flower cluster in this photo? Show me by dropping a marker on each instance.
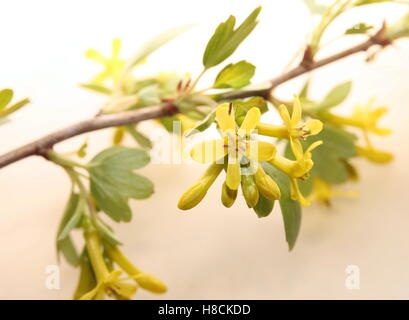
(99, 278)
(239, 154)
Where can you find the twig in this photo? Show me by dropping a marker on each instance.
(377, 39)
(43, 145)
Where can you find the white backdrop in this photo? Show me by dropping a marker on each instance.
(209, 252)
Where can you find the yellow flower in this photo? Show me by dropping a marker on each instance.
(266, 185)
(144, 280)
(293, 128)
(322, 192)
(113, 66)
(296, 168)
(111, 285)
(107, 282)
(364, 117)
(236, 144)
(374, 155)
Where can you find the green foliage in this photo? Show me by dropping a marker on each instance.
(113, 181)
(334, 97)
(204, 124)
(263, 207)
(365, 2)
(70, 219)
(242, 106)
(314, 7)
(290, 209)
(235, 75)
(154, 44)
(139, 137)
(5, 97)
(97, 88)
(359, 28)
(226, 39)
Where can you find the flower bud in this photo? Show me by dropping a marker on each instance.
(267, 186)
(400, 29)
(228, 196)
(197, 192)
(250, 190)
(150, 283)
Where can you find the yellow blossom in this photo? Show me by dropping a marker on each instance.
(108, 283)
(235, 144)
(296, 168)
(144, 280)
(293, 128)
(322, 192)
(113, 66)
(374, 155)
(266, 185)
(197, 192)
(363, 117)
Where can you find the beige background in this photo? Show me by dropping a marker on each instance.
(210, 252)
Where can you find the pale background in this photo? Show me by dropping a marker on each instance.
(210, 252)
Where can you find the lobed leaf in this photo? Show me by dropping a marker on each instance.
(113, 181)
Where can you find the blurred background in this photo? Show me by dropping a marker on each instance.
(209, 252)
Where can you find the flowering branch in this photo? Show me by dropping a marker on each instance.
(42, 145)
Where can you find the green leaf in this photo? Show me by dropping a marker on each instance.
(67, 248)
(335, 97)
(263, 207)
(290, 209)
(203, 125)
(82, 151)
(314, 7)
(5, 97)
(242, 107)
(235, 75)
(113, 181)
(106, 232)
(96, 87)
(225, 39)
(154, 44)
(365, 2)
(359, 28)
(13, 108)
(73, 221)
(69, 211)
(140, 138)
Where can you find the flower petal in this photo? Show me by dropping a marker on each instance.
(297, 111)
(233, 175)
(225, 117)
(285, 116)
(208, 151)
(314, 126)
(313, 145)
(260, 150)
(296, 147)
(251, 120)
(94, 55)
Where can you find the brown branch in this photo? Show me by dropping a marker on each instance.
(42, 145)
(377, 39)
